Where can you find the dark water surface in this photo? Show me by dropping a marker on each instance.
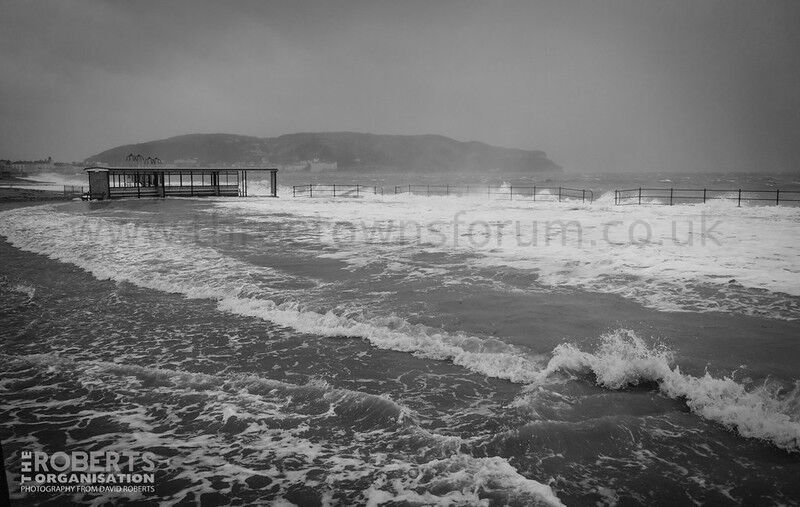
(260, 360)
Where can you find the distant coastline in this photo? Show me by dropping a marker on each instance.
(333, 151)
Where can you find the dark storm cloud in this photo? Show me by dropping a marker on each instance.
(599, 85)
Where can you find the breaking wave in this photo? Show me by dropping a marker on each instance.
(489, 357)
(225, 280)
(767, 412)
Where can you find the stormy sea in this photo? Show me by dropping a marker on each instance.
(411, 348)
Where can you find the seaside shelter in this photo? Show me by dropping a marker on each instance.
(166, 181)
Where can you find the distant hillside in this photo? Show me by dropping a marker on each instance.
(349, 150)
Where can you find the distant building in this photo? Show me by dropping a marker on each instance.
(22, 168)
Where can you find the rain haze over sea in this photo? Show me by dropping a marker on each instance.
(617, 325)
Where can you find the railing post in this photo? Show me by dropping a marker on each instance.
(778, 197)
(640, 195)
(615, 197)
(294, 191)
(310, 190)
(740, 198)
(559, 194)
(358, 190)
(534, 193)
(511, 193)
(670, 196)
(583, 195)
(704, 196)
(334, 190)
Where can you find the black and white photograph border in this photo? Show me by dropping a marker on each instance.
(400, 253)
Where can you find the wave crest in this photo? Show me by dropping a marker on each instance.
(623, 359)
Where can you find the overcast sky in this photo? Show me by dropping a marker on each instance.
(630, 85)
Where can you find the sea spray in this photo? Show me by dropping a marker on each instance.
(623, 359)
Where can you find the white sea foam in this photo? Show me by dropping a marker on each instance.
(712, 257)
(200, 272)
(624, 359)
(457, 478)
(461, 480)
(489, 357)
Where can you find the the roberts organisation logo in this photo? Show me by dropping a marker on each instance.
(87, 472)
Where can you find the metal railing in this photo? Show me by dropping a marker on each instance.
(429, 190)
(510, 192)
(73, 190)
(671, 196)
(322, 190)
(537, 193)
